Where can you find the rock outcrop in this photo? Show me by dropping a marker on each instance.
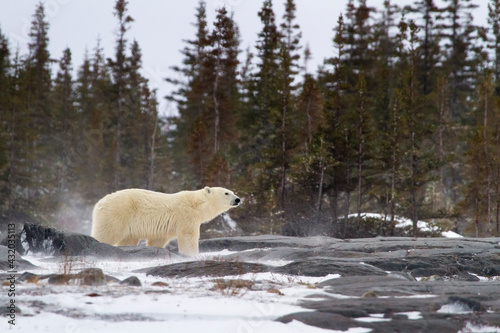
(383, 284)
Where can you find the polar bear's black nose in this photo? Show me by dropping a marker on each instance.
(237, 201)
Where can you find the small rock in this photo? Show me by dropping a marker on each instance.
(159, 284)
(132, 281)
(93, 295)
(28, 277)
(111, 279)
(275, 291)
(369, 294)
(91, 277)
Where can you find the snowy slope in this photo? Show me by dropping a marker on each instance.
(185, 305)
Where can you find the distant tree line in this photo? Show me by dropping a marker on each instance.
(66, 141)
(402, 119)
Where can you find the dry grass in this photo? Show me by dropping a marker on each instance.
(233, 287)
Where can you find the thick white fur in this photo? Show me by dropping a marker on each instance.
(127, 216)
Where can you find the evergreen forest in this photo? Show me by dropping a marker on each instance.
(403, 119)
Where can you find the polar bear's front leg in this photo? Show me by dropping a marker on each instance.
(188, 243)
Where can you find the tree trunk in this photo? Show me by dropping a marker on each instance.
(441, 85)
(320, 189)
(152, 155)
(216, 102)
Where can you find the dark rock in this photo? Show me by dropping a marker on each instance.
(49, 241)
(341, 313)
(19, 263)
(320, 319)
(264, 241)
(28, 277)
(38, 239)
(467, 303)
(132, 281)
(401, 323)
(111, 279)
(149, 252)
(325, 266)
(205, 268)
(5, 311)
(91, 277)
(435, 263)
(358, 285)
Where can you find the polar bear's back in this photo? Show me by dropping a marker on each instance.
(132, 211)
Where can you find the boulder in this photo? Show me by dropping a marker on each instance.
(19, 264)
(325, 266)
(38, 239)
(205, 268)
(131, 281)
(264, 241)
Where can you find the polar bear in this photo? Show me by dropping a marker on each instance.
(127, 216)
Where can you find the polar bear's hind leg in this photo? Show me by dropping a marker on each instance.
(158, 242)
(130, 241)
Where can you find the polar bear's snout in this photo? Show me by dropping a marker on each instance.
(235, 202)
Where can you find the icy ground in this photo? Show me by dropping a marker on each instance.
(182, 305)
(252, 302)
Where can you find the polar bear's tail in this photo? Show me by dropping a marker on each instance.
(100, 225)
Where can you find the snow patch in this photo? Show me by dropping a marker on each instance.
(230, 222)
(412, 315)
(454, 308)
(402, 222)
(451, 234)
(469, 327)
(374, 318)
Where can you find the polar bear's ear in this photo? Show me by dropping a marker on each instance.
(207, 190)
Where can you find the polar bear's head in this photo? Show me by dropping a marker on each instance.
(224, 197)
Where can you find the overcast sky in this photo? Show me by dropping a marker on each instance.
(160, 27)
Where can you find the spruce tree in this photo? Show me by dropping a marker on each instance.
(494, 21)
(65, 121)
(193, 100)
(5, 123)
(259, 122)
(420, 161)
(224, 43)
(37, 84)
(288, 59)
(119, 69)
(91, 159)
(429, 14)
(458, 30)
(334, 85)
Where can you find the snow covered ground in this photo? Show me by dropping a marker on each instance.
(179, 305)
(176, 304)
(188, 304)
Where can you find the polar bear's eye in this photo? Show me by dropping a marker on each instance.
(226, 193)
